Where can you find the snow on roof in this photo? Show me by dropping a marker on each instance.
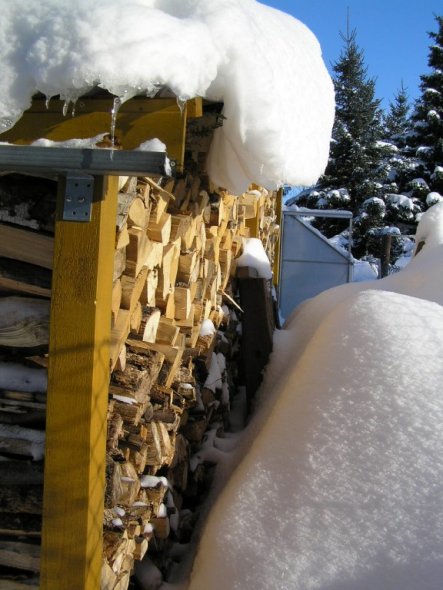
(265, 66)
(341, 485)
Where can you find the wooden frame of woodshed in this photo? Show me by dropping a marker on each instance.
(80, 329)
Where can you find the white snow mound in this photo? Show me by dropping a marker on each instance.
(265, 66)
(340, 487)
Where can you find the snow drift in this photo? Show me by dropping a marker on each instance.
(342, 485)
(263, 64)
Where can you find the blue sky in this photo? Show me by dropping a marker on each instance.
(392, 34)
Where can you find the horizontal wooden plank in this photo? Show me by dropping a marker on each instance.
(24, 556)
(26, 246)
(13, 585)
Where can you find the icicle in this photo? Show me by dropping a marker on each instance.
(121, 96)
(181, 102)
(67, 104)
(74, 104)
(71, 96)
(115, 108)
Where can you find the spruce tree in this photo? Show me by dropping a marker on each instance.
(428, 115)
(396, 121)
(354, 154)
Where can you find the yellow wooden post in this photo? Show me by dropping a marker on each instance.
(78, 379)
(279, 220)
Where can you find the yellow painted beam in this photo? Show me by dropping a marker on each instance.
(78, 381)
(278, 211)
(194, 108)
(138, 120)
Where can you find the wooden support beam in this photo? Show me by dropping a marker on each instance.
(258, 327)
(195, 107)
(138, 120)
(78, 381)
(277, 253)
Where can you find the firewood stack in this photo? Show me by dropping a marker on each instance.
(172, 362)
(175, 248)
(25, 282)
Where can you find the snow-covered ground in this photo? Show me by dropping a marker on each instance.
(340, 484)
(265, 65)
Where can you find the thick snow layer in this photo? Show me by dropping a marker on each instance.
(430, 228)
(263, 64)
(254, 256)
(17, 377)
(341, 488)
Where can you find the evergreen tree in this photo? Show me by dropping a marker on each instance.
(396, 122)
(428, 115)
(355, 154)
(399, 166)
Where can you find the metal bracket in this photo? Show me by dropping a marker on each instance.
(78, 197)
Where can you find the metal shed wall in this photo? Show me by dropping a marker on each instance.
(310, 264)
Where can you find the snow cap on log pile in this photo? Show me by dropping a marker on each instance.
(264, 65)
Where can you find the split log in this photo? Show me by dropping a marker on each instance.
(136, 251)
(120, 365)
(182, 301)
(132, 289)
(17, 440)
(188, 267)
(114, 487)
(24, 322)
(122, 237)
(169, 269)
(119, 263)
(20, 499)
(160, 231)
(173, 356)
(131, 413)
(149, 323)
(167, 332)
(138, 213)
(142, 370)
(130, 484)
(161, 199)
(115, 431)
(119, 333)
(108, 578)
(23, 556)
(116, 299)
(147, 296)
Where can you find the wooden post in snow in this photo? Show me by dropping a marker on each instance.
(258, 327)
(385, 254)
(78, 382)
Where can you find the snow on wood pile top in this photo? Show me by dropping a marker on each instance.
(263, 64)
(341, 484)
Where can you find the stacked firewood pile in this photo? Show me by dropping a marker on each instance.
(174, 331)
(173, 315)
(25, 283)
